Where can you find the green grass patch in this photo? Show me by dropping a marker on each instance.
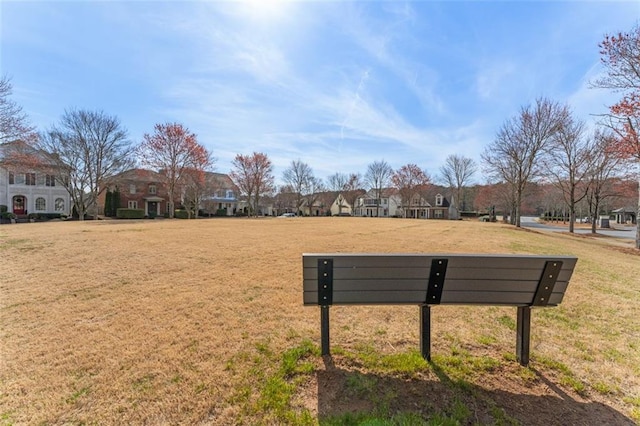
(507, 321)
(267, 392)
(487, 340)
(462, 366)
(406, 363)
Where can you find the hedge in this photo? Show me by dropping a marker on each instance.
(181, 214)
(130, 213)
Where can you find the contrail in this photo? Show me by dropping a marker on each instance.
(356, 98)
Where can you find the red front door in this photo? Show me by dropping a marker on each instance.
(19, 204)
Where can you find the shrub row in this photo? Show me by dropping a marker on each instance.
(130, 213)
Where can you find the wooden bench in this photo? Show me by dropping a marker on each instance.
(523, 281)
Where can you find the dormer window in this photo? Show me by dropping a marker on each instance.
(439, 200)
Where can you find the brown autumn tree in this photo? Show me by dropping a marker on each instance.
(174, 152)
(620, 55)
(253, 174)
(409, 180)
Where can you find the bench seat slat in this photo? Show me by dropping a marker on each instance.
(421, 285)
(507, 274)
(418, 297)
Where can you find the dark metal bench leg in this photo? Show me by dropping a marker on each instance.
(523, 335)
(324, 330)
(425, 331)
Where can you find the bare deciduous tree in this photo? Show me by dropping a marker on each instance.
(353, 189)
(568, 160)
(378, 177)
(513, 157)
(298, 176)
(89, 148)
(337, 184)
(456, 172)
(604, 165)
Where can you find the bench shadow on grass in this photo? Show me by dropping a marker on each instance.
(342, 392)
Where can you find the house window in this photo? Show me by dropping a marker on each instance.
(41, 204)
(152, 189)
(30, 178)
(438, 214)
(229, 194)
(40, 180)
(438, 200)
(18, 179)
(11, 178)
(50, 180)
(59, 205)
(132, 189)
(133, 204)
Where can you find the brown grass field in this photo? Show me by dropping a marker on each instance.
(202, 322)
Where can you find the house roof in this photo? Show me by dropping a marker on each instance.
(20, 152)
(139, 175)
(624, 210)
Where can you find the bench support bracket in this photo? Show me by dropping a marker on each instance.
(523, 335)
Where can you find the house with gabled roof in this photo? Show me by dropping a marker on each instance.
(222, 195)
(29, 181)
(372, 205)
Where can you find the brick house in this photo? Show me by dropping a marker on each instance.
(138, 189)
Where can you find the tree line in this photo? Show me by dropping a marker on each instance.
(542, 143)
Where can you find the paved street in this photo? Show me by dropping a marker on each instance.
(532, 222)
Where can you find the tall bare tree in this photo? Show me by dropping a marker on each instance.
(173, 150)
(604, 166)
(316, 191)
(456, 172)
(513, 157)
(89, 148)
(253, 174)
(14, 124)
(337, 184)
(298, 176)
(353, 189)
(378, 177)
(568, 161)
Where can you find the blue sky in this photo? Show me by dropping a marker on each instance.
(334, 84)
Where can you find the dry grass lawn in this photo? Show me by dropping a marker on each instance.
(186, 322)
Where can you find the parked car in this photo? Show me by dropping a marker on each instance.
(287, 215)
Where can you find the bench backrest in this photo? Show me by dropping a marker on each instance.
(515, 280)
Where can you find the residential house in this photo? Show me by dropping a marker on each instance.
(29, 181)
(341, 207)
(146, 189)
(367, 204)
(138, 189)
(222, 195)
